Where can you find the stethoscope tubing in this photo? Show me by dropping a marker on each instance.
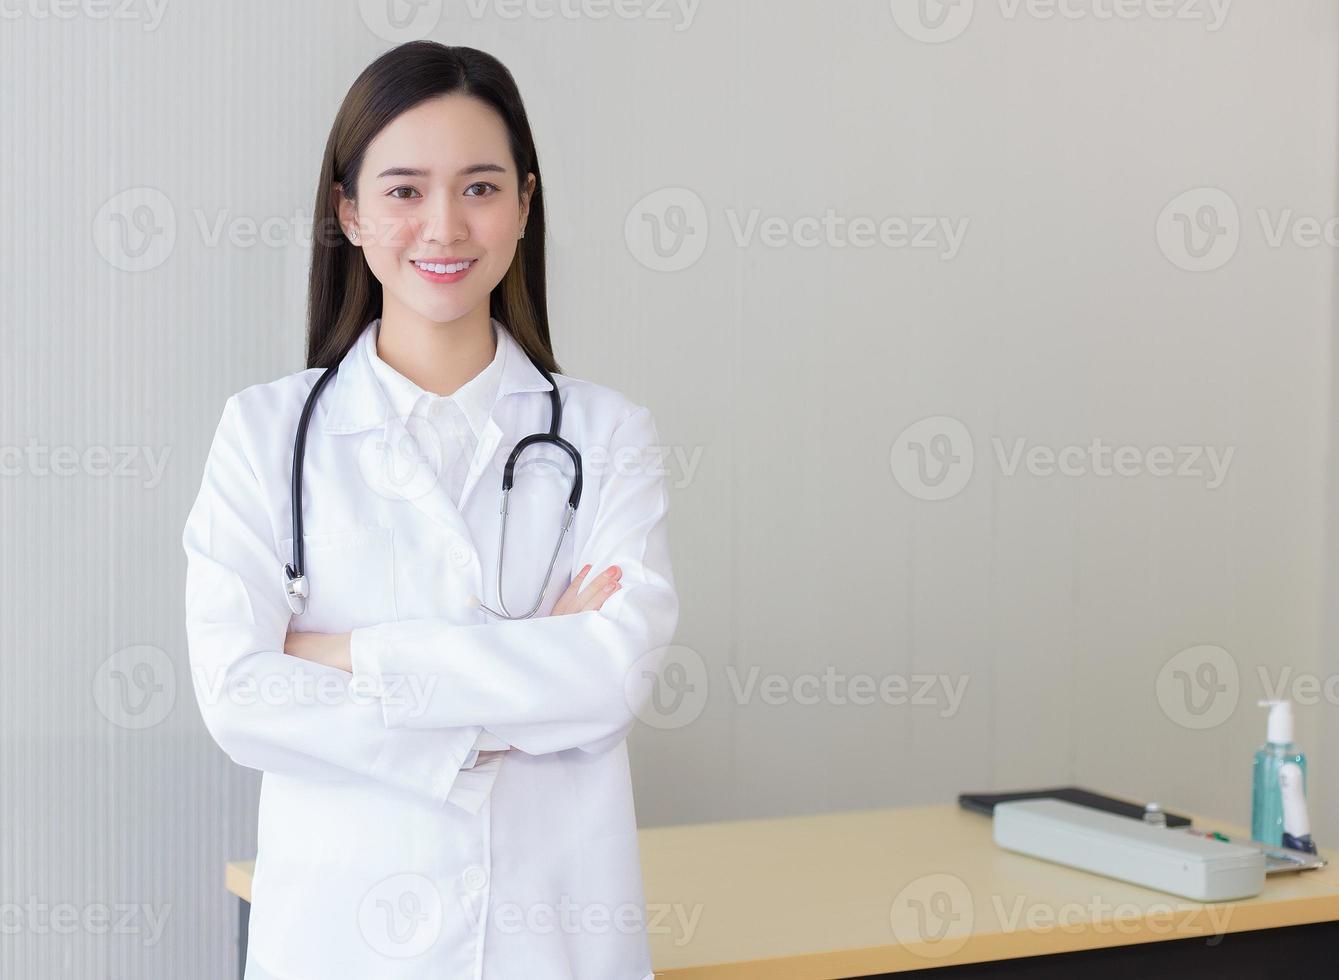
(296, 588)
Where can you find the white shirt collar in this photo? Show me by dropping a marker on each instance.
(475, 398)
(357, 401)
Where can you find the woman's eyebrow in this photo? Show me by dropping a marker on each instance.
(474, 168)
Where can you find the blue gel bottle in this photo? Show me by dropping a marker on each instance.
(1266, 794)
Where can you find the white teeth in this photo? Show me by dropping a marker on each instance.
(441, 268)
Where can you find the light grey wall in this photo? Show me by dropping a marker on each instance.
(1072, 614)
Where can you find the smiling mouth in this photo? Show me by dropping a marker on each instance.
(444, 268)
(444, 273)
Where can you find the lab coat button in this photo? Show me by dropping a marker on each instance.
(460, 555)
(475, 877)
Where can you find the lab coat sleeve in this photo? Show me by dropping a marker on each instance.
(483, 745)
(266, 709)
(555, 682)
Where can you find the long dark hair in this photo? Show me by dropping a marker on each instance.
(342, 294)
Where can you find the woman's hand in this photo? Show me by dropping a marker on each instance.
(577, 599)
(327, 649)
(332, 649)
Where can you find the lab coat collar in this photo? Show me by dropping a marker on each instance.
(474, 398)
(359, 403)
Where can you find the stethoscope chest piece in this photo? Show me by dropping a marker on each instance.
(295, 590)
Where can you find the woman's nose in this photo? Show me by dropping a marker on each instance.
(443, 220)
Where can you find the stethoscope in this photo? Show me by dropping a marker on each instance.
(295, 578)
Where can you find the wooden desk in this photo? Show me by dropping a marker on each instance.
(872, 892)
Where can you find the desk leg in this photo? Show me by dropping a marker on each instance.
(243, 927)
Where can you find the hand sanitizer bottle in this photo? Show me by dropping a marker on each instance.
(1267, 795)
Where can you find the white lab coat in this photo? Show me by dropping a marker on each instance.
(379, 854)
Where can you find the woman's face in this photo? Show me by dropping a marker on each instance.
(438, 185)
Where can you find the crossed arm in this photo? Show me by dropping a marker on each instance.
(334, 649)
(541, 685)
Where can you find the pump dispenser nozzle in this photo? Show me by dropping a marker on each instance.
(1280, 728)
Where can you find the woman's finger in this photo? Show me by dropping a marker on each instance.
(597, 585)
(597, 600)
(576, 599)
(593, 596)
(568, 599)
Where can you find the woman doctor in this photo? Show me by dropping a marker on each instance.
(446, 791)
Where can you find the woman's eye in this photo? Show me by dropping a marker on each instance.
(478, 189)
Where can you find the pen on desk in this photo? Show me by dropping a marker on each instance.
(1277, 853)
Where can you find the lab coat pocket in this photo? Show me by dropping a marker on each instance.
(350, 579)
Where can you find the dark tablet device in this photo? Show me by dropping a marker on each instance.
(985, 802)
